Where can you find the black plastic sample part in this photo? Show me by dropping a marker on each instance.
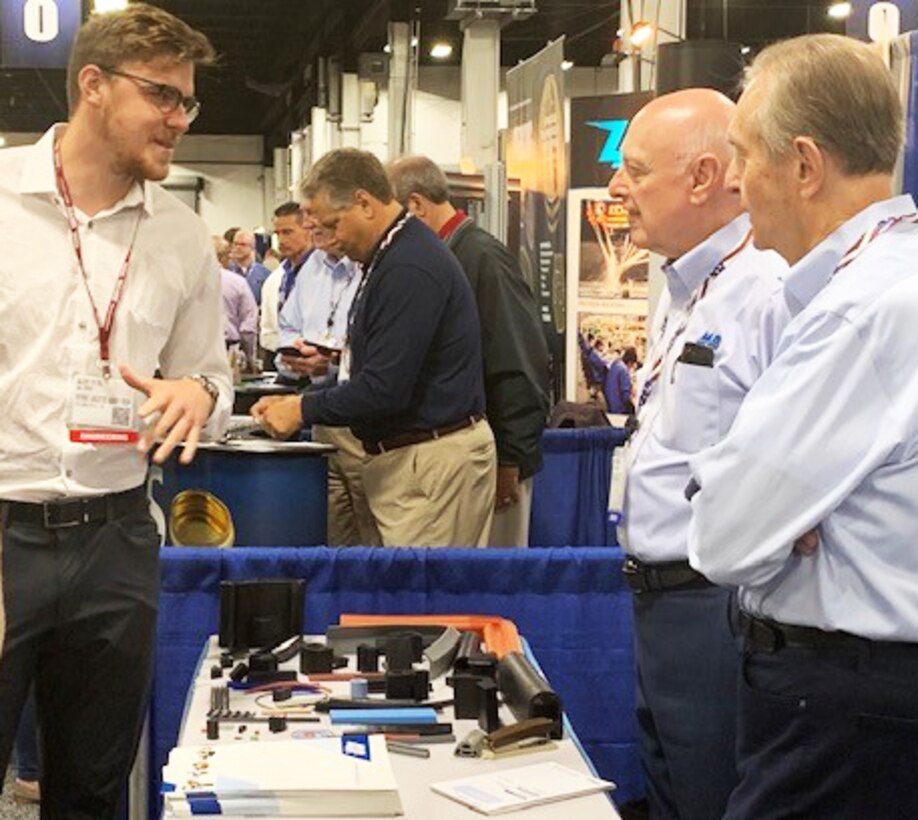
(527, 693)
(260, 613)
(488, 720)
(316, 657)
(367, 658)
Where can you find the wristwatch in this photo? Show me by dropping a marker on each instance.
(205, 382)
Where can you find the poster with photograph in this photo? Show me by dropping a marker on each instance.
(607, 292)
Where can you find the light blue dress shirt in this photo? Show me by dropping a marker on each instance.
(827, 437)
(324, 291)
(690, 406)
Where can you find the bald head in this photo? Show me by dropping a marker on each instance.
(686, 123)
(674, 172)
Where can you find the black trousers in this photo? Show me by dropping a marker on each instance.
(80, 619)
(828, 734)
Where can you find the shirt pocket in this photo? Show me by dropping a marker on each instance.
(689, 421)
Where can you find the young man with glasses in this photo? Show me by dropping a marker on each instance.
(107, 279)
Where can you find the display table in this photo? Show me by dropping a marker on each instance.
(413, 775)
(571, 604)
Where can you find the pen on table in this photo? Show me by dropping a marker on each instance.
(406, 749)
(420, 739)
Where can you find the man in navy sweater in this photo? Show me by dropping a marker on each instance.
(410, 380)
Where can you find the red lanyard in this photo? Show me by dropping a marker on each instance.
(878, 230)
(105, 330)
(699, 293)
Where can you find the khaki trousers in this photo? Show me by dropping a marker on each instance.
(439, 493)
(510, 527)
(350, 522)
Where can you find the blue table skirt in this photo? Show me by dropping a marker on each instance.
(571, 605)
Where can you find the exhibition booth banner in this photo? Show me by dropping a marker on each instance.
(607, 274)
(537, 156)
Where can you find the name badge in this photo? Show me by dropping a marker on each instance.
(101, 410)
(617, 492)
(344, 367)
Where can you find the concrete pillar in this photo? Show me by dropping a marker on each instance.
(480, 89)
(350, 111)
(321, 143)
(282, 192)
(401, 87)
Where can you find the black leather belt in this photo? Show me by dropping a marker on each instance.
(771, 636)
(375, 448)
(643, 577)
(54, 515)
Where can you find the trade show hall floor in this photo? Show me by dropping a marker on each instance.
(9, 808)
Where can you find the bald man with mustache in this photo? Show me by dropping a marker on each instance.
(712, 335)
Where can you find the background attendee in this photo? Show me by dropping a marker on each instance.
(823, 449)
(80, 551)
(616, 385)
(317, 310)
(410, 384)
(712, 335)
(245, 262)
(240, 313)
(515, 353)
(295, 242)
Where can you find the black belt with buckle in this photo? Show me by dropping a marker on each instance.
(375, 448)
(54, 515)
(643, 577)
(771, 636)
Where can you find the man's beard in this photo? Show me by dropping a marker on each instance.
(129, 163)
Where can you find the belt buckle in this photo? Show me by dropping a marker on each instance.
(58, 524)
(635, 577)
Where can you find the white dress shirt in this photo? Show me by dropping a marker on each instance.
(690, 407)
(318, 306)
(269, 337)
(827, 438)
(170, 317)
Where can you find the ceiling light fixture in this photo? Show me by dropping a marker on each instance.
(641, 32)
(440, 51)
(105, 6)
(566, 65)
(839, 11)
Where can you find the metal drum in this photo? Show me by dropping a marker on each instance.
(276, 491)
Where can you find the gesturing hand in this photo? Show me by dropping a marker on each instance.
(183, 406)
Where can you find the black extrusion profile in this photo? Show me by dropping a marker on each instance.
(469, 645)
(345, 639)
(527, 693)
(260, 613)
(441, 653)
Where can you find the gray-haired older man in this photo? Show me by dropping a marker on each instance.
(823, 451)
(514, 348)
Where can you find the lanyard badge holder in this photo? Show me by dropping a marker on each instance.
(101, 407)
(344, 368)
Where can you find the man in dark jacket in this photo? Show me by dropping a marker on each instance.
(514, 349)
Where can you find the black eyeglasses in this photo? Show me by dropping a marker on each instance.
(167, 97)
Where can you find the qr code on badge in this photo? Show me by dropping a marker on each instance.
(121, 416)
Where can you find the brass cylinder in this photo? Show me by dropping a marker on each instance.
(197, 518)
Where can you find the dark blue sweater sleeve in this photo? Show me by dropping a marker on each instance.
(403, 314)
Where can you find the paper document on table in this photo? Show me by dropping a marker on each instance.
(284, 778)
(512, 789)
